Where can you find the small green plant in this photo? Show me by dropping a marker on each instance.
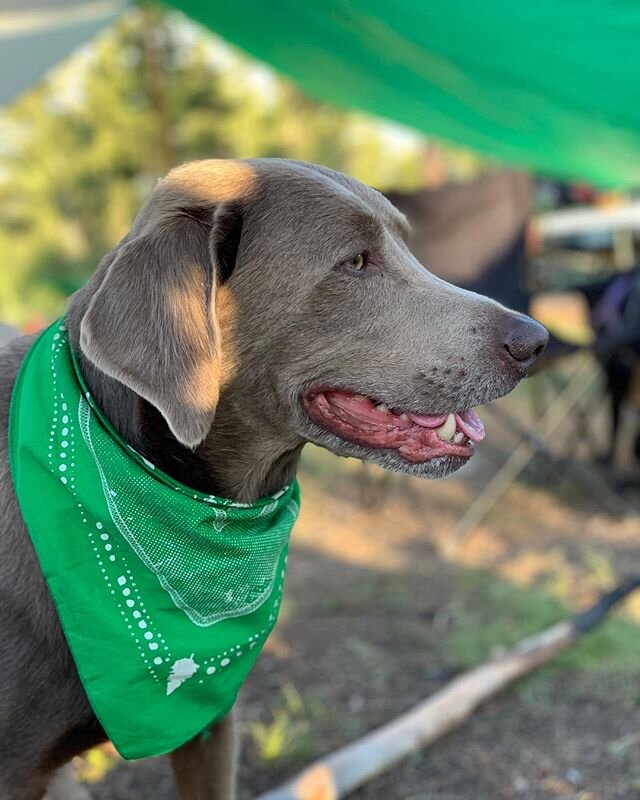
(287, 735)
(489, 613)
(94, 765)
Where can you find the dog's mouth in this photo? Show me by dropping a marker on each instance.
(417, 438)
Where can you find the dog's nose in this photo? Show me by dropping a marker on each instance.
(525, 340)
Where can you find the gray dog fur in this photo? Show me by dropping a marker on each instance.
(197, 335)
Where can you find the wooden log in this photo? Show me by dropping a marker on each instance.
(343, 771)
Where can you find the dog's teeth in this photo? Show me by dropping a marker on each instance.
(382, 407)
(404, 417)
(447, 430)
(458, 438)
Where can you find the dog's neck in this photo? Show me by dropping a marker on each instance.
(235, 461)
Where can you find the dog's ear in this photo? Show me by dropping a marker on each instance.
(152, 323)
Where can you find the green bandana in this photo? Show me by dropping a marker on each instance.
(166, 595)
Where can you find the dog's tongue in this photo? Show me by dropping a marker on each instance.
(471, 425)
(466, 421)
(428, 420)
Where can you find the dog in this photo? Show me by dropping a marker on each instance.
(254, 306)
(614, 310)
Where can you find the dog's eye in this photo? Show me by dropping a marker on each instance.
(355, 263)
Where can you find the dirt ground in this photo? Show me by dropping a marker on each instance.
(380, 613)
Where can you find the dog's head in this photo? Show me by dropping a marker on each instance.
(286, 292)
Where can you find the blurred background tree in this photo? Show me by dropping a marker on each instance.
(79, 153)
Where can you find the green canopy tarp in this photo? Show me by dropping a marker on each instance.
(552, 84)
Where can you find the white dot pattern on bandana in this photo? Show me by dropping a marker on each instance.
(166, 595)
(208, 591)
(60, 405)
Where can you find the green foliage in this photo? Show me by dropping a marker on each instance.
(492, 613)
(80, 152)
(94, 765)
(286, 736)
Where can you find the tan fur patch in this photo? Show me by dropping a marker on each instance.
(215, 180)
(186, 305)
(226, 311)
(202, 387)
(214, 361)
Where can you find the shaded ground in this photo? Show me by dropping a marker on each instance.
(377, 616)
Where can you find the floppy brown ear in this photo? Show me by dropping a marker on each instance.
(152, 324)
